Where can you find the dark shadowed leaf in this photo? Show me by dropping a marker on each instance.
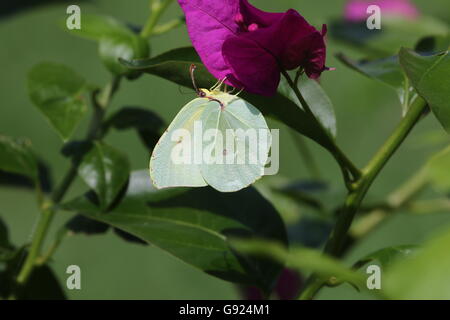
(82, 224)
(430, 76)
(42, 285)
(6, 248)
(105, 170)
(387, 256)
(148, 124)
(174, 66)
(17, 180)
(135, 118)
(56, 91)
(16, 157)
(433, 44)
(195, 225)
(75, 149)
(129, 237)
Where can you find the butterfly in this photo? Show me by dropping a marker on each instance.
(217, 139)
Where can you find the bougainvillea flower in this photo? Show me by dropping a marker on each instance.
(248, 46)
(356, 10)
(287, 287)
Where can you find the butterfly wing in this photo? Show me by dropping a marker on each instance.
(169, 165)
(239, 145)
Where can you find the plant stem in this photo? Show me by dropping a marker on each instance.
(350, 172)
(400, 198)
(355, 197)
(49, 208)
(157, 9)
(39, 236)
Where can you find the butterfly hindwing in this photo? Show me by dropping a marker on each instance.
(239, 153)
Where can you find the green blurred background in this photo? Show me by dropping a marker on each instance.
(111, 268)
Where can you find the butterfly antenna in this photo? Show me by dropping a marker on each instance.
(191, 71)
(214, 86)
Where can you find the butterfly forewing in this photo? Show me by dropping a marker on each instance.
(172, 163)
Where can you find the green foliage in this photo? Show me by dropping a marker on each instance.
(430, 76)
(423, 275)
(395, 33)
(238, 237)
(438, 170)
(181, 222)
(6, 248)
(105, 170)
(115, 40)
(317, 99)
(42, 285)
(16, 157)
(387, 256)
(57, 91)
(302, 259)
(387, 71)
(148, 125)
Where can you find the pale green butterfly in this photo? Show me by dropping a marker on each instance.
(217, 139)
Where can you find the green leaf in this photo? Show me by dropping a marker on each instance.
(438, 170)
(195, 225)
(395, 33)
(42, 285)
(387, 256)
(433, 44)
(430, 76)
(16, 157)
(302, 259)
(148, 124)
(387, 71)
(96, 27)
(423, 275)
(57, 90)
(6, 248)
(130, 46)
(115, 40)
(135, 118)
(105, 170)
(174, 66)
(82, 224)
(317, 99)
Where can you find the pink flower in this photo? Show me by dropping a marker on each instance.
(356, 10)
(248, 46)
(288, 285)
